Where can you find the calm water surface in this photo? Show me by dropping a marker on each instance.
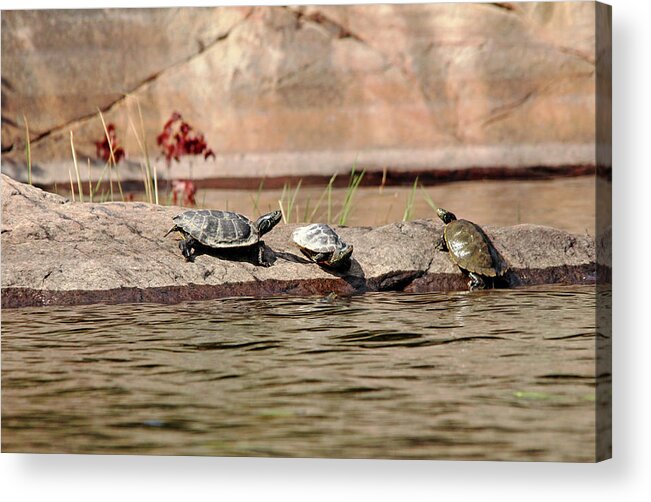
(488, 375)
(565, 203)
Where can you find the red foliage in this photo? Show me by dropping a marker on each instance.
(184, 190)
(104, 150)
(178, 138)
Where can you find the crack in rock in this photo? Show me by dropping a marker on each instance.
(203, 47)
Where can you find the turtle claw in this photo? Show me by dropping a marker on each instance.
(476, 282)
(186, 247)
(261, 261)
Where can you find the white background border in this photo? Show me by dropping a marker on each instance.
(626, 477)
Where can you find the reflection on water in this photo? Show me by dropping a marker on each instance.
(488, 375)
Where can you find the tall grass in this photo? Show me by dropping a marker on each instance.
(28, 152)
(147, 161)
(144, 167)
(151, 189)
(111, 159)
(409, 207)
(256, 200)
(287, 206)
(72, 186)
(155, 185)
(90, 183)
(326, 192)
(74, 161)
(428, 199)
(384, 180)
(306, 212)
(329, 192)
(353, 184)
(101, 177)
(146, 183)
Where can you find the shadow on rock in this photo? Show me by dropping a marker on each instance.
(508, 280)
(245, 255)
(354, 276)
(292, 257)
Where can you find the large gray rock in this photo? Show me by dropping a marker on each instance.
(399, 86)
(58, 252)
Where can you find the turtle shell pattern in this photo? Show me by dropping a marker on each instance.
(218, 229)
(471, 249)
(317, 238)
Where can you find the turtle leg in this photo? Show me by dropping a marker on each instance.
(306, 254)
(476, 281)
(261, 261)
(321, 257)
(187, 248)
(440, 244)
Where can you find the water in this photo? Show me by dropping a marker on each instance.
(486, 375)
(565, 203)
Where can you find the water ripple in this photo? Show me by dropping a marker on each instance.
(497, 374)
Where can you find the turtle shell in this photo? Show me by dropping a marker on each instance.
(218, 229)
(317, 238)
(471, 249)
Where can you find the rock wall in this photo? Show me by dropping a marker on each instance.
(58, 252)
(403, 86)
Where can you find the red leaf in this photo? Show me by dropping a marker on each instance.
(178, 139)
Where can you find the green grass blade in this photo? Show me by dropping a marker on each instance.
(307, 210)
(111, 158)
(256, 199)
(318, 204)
(353, 184)
(101, 177)
(428, 199)
(409, 208)
(292, 203)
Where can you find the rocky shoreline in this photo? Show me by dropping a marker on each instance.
(55, 252)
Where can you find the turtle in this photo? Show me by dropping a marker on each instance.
(321, 244)
(470, 249)
(222, 230)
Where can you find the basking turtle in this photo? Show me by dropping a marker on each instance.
(470, 249)
(322, 245)
(222, 230)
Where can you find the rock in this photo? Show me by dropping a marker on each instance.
(56, 252)
(430, 86)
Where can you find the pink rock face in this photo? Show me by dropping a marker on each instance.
(58, 252)
(423, 86)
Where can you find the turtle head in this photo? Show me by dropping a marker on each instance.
(341, 257)
(446, 216)
(267, 221)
